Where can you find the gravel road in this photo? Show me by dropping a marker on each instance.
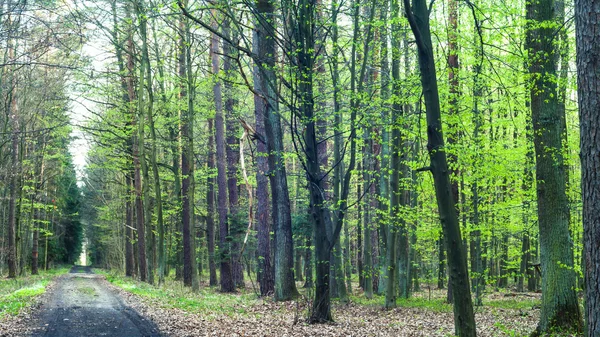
(82, 305)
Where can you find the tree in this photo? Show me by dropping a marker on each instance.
(464, 320)
(587, 14)
(227, 283)
(264, 100)
(560, 309)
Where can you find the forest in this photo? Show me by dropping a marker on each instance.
(330, 158)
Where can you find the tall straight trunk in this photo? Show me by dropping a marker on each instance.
(210, 206)
(464, 320)
(324, 240)
(13, 114)
(126, 89)
(285, 286)
(304, 31)
(453, 133)
(129, 271)
(233, 159)
(137, 177)
(359, 244)
(227, 283)
(560, 307)
(264, 50)
(367, 230)
(308, 266)
(36, 212)
(525, 257)
(176, 139)
(186, 116)
(35, 242)
(368, 162)
(587, 14)
(153, 157)
(187, 132)
(392, 237)
(384, 179)
(477, 270)
(145, 179)
(401, 146)
(345, 266)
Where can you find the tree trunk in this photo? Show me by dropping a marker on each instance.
(13, 114)
(464, 320)
(587, 14)
(210, 206)
(560, 308)
(186, 160)
(285, 286)
(137, 178)
(227, 283)
(129, 271)
(233, 159)
(153, 156)
(262, 46)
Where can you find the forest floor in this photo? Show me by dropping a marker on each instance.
(103, 304)
(179, 312)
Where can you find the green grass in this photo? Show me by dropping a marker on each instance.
(435, 304)
(207, 302)
(19, 293)
(520, 304)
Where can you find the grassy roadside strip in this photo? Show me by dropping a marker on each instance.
(19, 293)
(208, 302)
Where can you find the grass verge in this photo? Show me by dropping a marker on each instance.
(207, 302)
(19, 293)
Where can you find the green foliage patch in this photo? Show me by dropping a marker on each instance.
(208, 301)
(19, 293)
(434, 304)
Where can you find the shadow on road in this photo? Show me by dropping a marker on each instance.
(81, 270)
(82, 304)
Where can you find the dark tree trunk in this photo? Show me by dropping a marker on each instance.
(233, 160)
(285, 286)
(587, 18)
(359, 245)
(227, 283)
(264, 49)
(137, 177)
(129, 226)
(210, 206)
(464, 320)
(441, 246)
(13, 114)
(186, 162)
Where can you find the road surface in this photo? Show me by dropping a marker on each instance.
(81, 304)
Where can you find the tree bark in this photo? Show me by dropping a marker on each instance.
(262, 46)
(153, 156)
(285, 286)
(587, 19)
(560, 308)
(13, 114)
(464, 320)
(233, 159)
(185, 118)
(210, 205)
(227, 283)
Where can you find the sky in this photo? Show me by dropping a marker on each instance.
(81, 106)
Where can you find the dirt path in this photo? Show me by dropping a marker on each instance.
(82, 305)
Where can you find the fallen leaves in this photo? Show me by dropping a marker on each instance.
(267, 318)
